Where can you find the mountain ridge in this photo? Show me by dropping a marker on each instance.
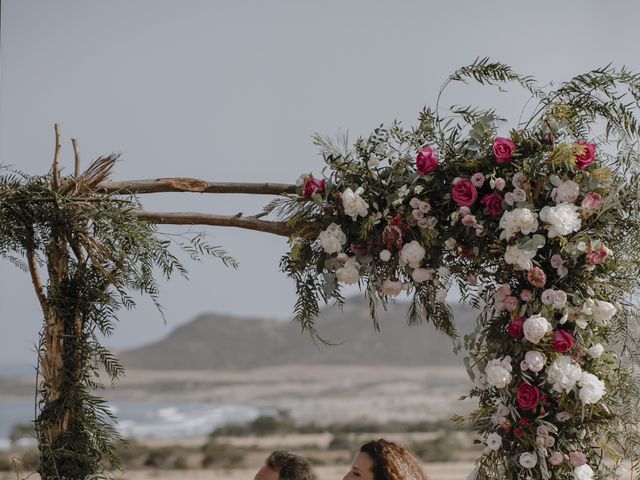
(214, 341)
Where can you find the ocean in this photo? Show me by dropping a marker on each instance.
(143, 419)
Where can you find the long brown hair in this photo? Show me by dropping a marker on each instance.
(392, 462)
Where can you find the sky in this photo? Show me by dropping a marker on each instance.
(234, 90)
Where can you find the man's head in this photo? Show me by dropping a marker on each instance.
(282, 465)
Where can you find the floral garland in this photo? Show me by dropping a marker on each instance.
(539, 228)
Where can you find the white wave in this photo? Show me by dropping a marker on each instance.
(180, 421)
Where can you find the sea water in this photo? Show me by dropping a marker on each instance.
(145, 419)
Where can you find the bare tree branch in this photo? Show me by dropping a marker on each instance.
(37, 281)
(56, 158)
(188, 218)
(76, 153)
(192, 185)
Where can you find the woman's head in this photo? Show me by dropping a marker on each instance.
(384, 460)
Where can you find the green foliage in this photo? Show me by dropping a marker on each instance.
(97, 254)
(6, 465)
(374, 188)
(221, 455)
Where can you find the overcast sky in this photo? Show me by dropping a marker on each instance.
(233, 91)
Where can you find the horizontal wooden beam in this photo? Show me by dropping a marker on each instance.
(188, 218)
(195, 185)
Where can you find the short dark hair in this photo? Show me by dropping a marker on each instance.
(290, 466)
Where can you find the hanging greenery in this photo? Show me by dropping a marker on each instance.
(97, 254)
(539, 226)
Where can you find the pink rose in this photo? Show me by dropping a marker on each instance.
(591, 202)
(556, 459)
(577, 458)
(464, 211)
(587, 156)
(526, 295)
(500, 184)
(515, 328)
(556, 260)
(503, 149)
(563, 416)
(426, 161)
(477, 179)
(469, 221)
(391, 287)
(511, 303)
(537, 277)
(562, 341)
(493, 202)
(464, 193)
(502, 292)
(313, 185)
(596, 257)
(528, 396)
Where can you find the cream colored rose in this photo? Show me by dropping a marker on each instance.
(528, 459)
(535, 328)
(412, 254)
(353, 204)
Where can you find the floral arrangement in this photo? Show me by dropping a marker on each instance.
(538, 226)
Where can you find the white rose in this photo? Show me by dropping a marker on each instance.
(519, 195)
(391, 288)
(412, 254)
(595, 350)
(563, 373)
(441, 295)
(528, 459)
(548, 296)
(332, 239)
(502, 410)
(421, 275)
(518, 179)
(603, 312)
(385, 255)
(498, 372)
(564, 192)
(494, 441)
(535, 360)
(560, 299)
(509, 198)
(349, 273)
(592, 388)
(450, 243)
(519, 258)
(561, 220)
(444, 271)
(536, 327)
(353, 204)
(583, 472)
(518, 220)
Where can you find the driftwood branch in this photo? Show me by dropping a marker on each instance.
(188, 218)
(160, 185)
(56, 158)
(37, 281)
(76, 154)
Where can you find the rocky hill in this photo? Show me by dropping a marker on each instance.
(223, 342)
